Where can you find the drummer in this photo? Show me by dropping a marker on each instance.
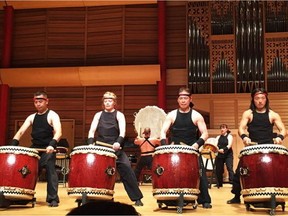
(110, 125)
(147, 146)
(185, 124)
(259, 120)
(225, 155)
(46, 132)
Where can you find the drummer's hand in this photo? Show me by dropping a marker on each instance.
(116, 146)
(195, 146)
(277, 140)
(49, 149)
(221, 151)
(246, 141)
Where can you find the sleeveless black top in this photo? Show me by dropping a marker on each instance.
(108, 128)
(222, 143)
(42, 131)
(260, 129)
(183, 129)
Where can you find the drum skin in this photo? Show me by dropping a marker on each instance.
(19, 172)
(263, 172)
(92, 171)
(175, 170)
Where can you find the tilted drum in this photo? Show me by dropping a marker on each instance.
(18, 172)
(175, 171)
(264, 172)
(92, 171)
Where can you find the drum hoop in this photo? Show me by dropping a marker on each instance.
(265, 191)
(16, 190)
(100, 150)
(264, 148)
(175, 149)
(170, 191)
(19, 150)
(90, 190)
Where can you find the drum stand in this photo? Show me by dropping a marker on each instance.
(84, 199)
(180, 203)
(272, 204)
(5, 203)
(206, 165)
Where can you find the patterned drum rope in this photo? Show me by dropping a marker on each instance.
(175, 149)
(264, 148)
(19, 150)
(93, 150)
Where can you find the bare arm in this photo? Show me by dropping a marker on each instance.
(122, 124)
(170, 118)
(242, 130)
(198, 120)
(94, 125)
(280, 126)
(54, 118)
(27, 123)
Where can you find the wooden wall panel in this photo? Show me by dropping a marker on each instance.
(1, 32)
(223, 112)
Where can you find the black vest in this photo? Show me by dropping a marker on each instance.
(183, 129)
(42, 131)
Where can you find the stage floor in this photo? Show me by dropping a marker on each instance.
(219, 198)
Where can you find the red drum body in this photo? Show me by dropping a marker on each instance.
(175, 171)
(264, 172)
(92, 171)
(18, 171)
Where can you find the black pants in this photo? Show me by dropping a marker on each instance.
(219, 162)
(127, 176)
(204, 196)
(143, 161)
(236, 186)
(48, 161)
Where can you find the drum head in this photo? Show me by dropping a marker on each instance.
(152, 117)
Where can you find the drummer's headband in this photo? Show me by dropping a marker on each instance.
(40, 98)
(184, 94)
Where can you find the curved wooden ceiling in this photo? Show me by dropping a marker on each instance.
(72, 3)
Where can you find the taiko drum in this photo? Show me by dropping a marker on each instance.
(263, 172)
(92, 171)
(175, 171)
(19, 172)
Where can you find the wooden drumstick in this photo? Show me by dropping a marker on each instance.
(252, 143)
(104, 144)
(42, 150)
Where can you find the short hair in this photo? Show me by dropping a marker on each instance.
(40, 93)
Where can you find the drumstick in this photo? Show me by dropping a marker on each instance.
(253, 143)
(104, 144)
(42, 150)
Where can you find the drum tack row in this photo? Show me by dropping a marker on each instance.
(175, 174)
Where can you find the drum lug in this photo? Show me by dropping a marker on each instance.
(24, 171)
(244, 171)
(159, 170)
(110, 171)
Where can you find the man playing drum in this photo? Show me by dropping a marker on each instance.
(110, 125)
(258, 120)
(185, 124)
(46, 132)
(147, 147)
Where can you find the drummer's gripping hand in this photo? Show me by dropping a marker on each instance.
(277, 140)
(90, 141)
(14, 142)
(195, 146)
(116, 146)
(246, 141)
(49, 149)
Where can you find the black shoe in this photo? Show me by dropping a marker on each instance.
(235, 200)
(218, 186)
(138, 203)
(207, 205)
(53, 204)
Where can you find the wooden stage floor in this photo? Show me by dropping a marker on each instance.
(219, 198)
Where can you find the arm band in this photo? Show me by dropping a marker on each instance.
(120, 140)
(280, 136)
(200, 142)
(14, 142)
(243, 136)
(90, 140)
(53, 143)
(163, 142)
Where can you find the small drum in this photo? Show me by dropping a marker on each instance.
(92, 171)
(175, 172)
(19, 172)
(209, 149)
(264, 172)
